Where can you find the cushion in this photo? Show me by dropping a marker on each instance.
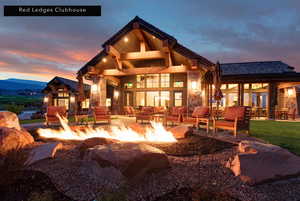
(53, 110)
(225, 123)
(178, 110)
(201, 111)
(148, 110)
(232, 112)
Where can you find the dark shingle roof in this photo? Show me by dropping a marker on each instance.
(260, 67)
(71, 84)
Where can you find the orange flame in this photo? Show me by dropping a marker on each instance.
(155, 133)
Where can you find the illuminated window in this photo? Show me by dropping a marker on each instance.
(164, 98)
(128, 85)
(232, 86)
(153, 98)
(223, 86)
(108, 102)
(85, 104)
(62, 93)
(178, 98)
(140, 81)
(152, 80)
(246, 86)
(165, 80)
(178, 84)
(140, 98)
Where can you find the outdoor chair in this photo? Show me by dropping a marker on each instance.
(129, 111)
(235, 118)
(175, 115)
(101, 113)
(145, 114)
(159, 110)
(292, 113)
(199, 115)
(51, 115)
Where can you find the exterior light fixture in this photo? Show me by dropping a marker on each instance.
(94, 88)
(194, 85)
(46, 99)
(126, 39)
(72, 99)
(116, 94)
(290, 92)
(104, 60)
(153, 37)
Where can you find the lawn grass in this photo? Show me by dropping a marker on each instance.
(284, 134)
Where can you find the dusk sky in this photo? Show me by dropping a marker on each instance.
(39, 48)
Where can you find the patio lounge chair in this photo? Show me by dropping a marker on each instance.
(145, 114)
(52, 111)
(101, 113)
(235, 118)
(199, 115)
(175, 115)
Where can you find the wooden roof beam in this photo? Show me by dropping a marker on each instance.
(142, 55)
(146, 70)
(113, 79)
(114, 53)
(167, 50)
(128, 64)
(144, 43)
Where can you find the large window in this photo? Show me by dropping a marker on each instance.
(178, 98)
(140, 98)
(86, 103)
(140, 81)
(165, 80)
(152, 80)
(153, 98)
(164, 98)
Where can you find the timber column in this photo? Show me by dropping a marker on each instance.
(272, 100)
(98, 91)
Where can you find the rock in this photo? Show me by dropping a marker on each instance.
(91, 142)
(43, 151)
(133, 159)
(258, 162)
(181, 131)
(9, 120)
(11, 138)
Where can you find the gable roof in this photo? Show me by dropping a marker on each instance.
(259, 67)
(145, 26)
(71, 84)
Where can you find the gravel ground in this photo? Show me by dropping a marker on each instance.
(83, 180)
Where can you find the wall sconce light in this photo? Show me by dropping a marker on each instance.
(104, 60)
(94, 88)
(126, 39)
(194, 85)
(72, 99)
(46, 99)
(290, 92)
(116, 94)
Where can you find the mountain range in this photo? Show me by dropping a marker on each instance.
(13, 84)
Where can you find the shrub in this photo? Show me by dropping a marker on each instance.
(14, 108)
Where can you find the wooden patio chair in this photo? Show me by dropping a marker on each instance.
(51, 114)
(145, 114)
(175, 114)
(292, 113)
(101, 113)
(235, 118)
(129, 111)
(199, 115)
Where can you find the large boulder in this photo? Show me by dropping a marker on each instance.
(9, 120)
(257, 162)
(11, 138)
(133, 159)
(92, 142)
(180, 132)
(43, 151)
